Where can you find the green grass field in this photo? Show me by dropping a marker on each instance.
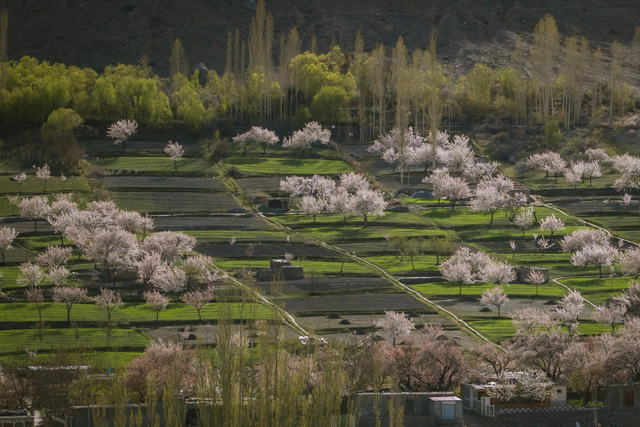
(446, 289)
(127, 313)
(323, 268)
(140, 165)
(18, 340)
(288, 166)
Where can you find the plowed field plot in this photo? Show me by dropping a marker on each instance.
(174, 202)
(267, 184)
(265, 250)
(211, 222)
(161, 182)
(287, 166)
(468, 309)
(354, 303)
(24, 226)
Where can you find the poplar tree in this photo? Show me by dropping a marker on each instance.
(178, 61)
(4, 26)
(546, 44)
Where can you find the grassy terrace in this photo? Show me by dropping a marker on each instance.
(17, 340)
(141, 165)
(598, 290)
(288, 166)
(127, 313)
(524, 290)
(323, 268)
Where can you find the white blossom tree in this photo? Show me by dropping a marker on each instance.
(629, 168)
(256, 135)
(447, 187)
(456, 154)
(525, 219)
(169, 279)
(497, 272)
(311, 205)
(175, 152)
(54, 256)
(312, 132)
(58, 275)
(69, 296)
(610, 314)
(121, 131)
(550, 162)
(170, 245)
(156, 301)
(629, 262)
(146, 266)
(583, 237)
(596, 255)
(198, 299)
(30, 275)
(366, 202)
(495, 297)
(133, 222)
(536, 277)
(394, 325)
(44, 173)
(7, 236)
(19, 178)
(34, 208)
(551, 223)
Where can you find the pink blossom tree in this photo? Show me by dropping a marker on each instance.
(109, 300)
(175, 152)
(44, 173)
(610, 314)
(69, 296)
(629, 262)
(198, 299)
(367, 202)
(156, 301)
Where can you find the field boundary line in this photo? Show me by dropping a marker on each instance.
(386, 275)
(286, 317)
(237, 192)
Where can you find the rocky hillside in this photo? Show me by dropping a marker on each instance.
(96, 33)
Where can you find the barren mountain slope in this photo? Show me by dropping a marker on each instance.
(96, 33)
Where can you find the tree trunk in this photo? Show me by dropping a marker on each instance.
(365, 221)
(69, 315)
(491, 221)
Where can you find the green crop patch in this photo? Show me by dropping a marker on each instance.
(140, 165)
(17, 340)
(287, 166)
(447, 289)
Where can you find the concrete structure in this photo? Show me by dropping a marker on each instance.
(281, 269)
(15, 418)
(476, 398)
(417, 409)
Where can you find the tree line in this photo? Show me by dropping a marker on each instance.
(550, 77)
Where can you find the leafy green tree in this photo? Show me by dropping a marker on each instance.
(328, 104)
